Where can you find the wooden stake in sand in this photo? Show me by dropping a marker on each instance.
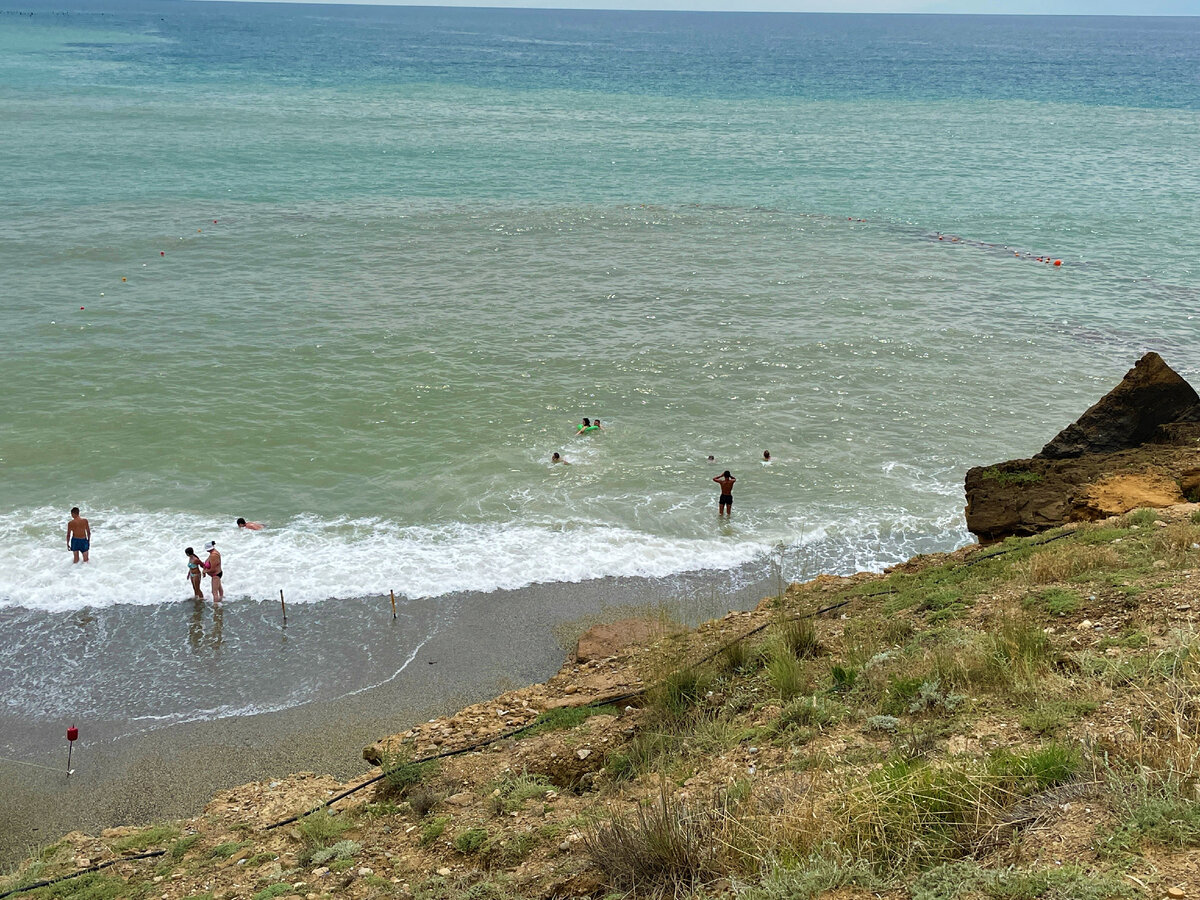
(393, 593)
(283, 606)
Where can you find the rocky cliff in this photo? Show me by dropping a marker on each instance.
(1138, 446)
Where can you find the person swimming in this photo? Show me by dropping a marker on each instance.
(766, 456)
(249, 526)
(557, 458)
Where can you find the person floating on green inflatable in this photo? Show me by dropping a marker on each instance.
(587, 427)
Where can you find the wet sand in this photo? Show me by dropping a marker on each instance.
(489, 643)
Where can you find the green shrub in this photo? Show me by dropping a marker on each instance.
(318, 830)
(342, 850)
(1044, 768)
(930, 697)
(965, 880)
(274, 890)
(739, 657)
(183, 845)
(901, 692)
(433, 829)
(567, 717)
(1050, 716)
(680, 691)
(1166, 821)
(471, 841)
(509, 794)
(843, 679)
(1008, 477)
(812, 712)
(814, 877)
(401, 774)
(887, 724)
(797, 637)
(1138, 517)
(226, 850)
(93, 886)
(153, 836)
(1054, 600)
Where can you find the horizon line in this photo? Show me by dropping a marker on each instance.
(663, 9)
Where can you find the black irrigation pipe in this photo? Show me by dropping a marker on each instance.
(603, 701)
(87, 871)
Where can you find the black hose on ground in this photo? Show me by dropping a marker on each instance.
(603, 701)
(87, 871)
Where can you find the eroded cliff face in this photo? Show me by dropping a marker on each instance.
(1139, 446)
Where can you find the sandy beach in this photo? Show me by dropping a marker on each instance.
(494, 642)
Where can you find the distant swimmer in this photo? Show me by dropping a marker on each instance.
(596, 424)
(79, 536)
(249, 526)
(725, 502)
(712, 459)
(766, 456)
(214, 570)
(557, 458)
(195, 572)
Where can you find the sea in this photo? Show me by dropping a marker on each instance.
(356, 272)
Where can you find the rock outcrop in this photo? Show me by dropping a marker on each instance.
(1151, 395)
(1139, 446)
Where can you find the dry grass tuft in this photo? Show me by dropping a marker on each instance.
(1061, 563)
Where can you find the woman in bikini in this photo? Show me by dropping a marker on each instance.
(195, 571)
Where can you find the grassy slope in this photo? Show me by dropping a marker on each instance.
(1012, 722)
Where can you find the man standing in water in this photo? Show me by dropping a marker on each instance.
(214, 570)
(725, 503)
(79, 535)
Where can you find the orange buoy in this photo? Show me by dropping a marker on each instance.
(122, 279)
(1058, 262)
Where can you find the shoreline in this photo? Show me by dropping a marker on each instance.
(493, 642)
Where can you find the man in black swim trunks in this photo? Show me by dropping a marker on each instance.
(725, 502)
(79, 535)
(215, 571)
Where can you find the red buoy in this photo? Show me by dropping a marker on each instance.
(72, 733)
(1058, 262)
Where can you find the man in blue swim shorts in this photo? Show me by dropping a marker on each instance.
(79, 535)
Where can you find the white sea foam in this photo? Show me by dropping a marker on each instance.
(137, 557)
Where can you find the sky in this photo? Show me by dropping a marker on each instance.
(1006, 7)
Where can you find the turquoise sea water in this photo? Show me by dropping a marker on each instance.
(355, 272)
